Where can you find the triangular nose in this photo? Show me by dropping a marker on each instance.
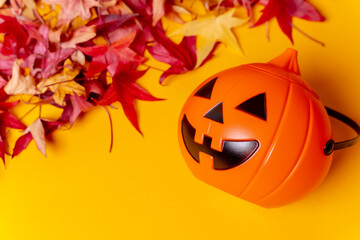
(216, 113)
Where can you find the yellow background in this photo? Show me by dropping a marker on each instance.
(143, 189)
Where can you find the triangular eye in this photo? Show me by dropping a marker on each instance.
(206, 90)
(255, 106)
(216, 113)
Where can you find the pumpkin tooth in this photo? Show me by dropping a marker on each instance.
(217, 144)
(199, 137)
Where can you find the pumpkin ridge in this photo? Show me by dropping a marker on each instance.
(269, 151)
(306, 142)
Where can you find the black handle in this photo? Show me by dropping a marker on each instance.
(343, 144)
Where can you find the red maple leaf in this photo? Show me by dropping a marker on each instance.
(22, 143)
(79, 105)
(44, 60)
(111, 56)
(14, 44)
(7, 120)
(106, 24)
(285, 10)
(6, 62)
(181, 57)
(15, 38)
(125, 90)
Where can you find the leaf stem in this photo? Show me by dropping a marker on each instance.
(307, 35)
(28, 112)
(49, 85)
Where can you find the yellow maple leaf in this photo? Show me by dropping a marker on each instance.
(212, 29)
(62, 84)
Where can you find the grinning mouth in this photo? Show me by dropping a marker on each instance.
(234, 153)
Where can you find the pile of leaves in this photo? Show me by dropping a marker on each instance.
(79, 54)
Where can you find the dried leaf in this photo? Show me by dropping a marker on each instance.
(80, 35)
(158, 10)
(20, 84)
(62, 83)
(79, 57)
(34, 131)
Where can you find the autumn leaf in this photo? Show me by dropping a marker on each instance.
(80, 35)
(6, 63)
(34, 131)
(213, 29)
(15, 36)
(151, 12)
(70, 9)
(44, 60)
(37, 132)
(79, 105)
(20, 84)
(141, 7)
(3, 82)
(158, 10)
(125, 90)
(78, 57)
(109, 23)
(22, 143)
(7, 120)
(109, 57)
(285, 10)
(182, 57)
(63, 83)
(23, 7)
(247, 4)
(49, 62)
(48, 13)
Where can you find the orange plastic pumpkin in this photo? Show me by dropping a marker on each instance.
(258, 131)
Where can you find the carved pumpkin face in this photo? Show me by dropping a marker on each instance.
(257, 131)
